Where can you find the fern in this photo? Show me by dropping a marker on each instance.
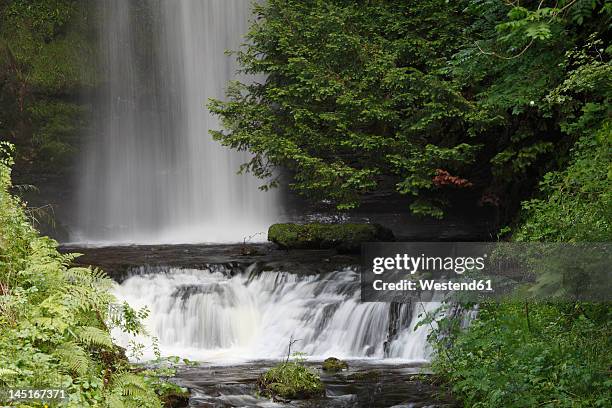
(7, 372)
(114, 401)
(92, 336)
(68, 259)
(52, 328)
(132, 388)
(74, 357)
(94, 278)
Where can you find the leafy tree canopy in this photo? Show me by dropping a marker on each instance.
(429, 96)
(46, 61)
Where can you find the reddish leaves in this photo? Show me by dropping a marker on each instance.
(444, 178)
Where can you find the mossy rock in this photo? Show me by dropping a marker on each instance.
(421, 377)
(346, 238)
(365, 375)
(175, 399)
(332, 364)
(289, 381)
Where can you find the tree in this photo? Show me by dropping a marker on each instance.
(46, 62)
(431, 97)
(354, 95)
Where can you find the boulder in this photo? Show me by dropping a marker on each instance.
(346, 238)
(332, 364)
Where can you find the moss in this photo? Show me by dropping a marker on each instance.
(291, 381)
(175, 398)
(333, 364)
(344, 237)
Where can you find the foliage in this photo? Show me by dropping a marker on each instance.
(346, 237)
(358, 96)
(517, 53)
(333, 364)
(46, 62)
(548, 354)
(577, 201)
(291, 380)
(542, 354)
(55, 320)
(352, 95)
(527, 355)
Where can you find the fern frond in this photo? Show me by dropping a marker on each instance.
(85, 299)
(124, 379)
(68, 259)
(93, 277)
(92, 336)
(74, 357)
(7, 373)
(134, 388)
(114, 401)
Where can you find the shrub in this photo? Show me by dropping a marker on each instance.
(515, 355)
(55, 320)
(291, 380)
(333, 364)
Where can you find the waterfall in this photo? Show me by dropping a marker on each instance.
(151, 172)
(212, 315)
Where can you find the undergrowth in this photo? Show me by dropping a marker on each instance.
(542, 354)
(55, 320)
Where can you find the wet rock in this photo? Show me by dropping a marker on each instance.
(122, 262)
(364, 375)
(249, 250)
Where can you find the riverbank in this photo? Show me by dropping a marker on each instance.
(55, 320)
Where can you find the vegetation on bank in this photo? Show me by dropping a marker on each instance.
(544, 354)
(435, 99)
(529, 355)
(343, 237)
(555, 354)
(47, 63)
(55, 320)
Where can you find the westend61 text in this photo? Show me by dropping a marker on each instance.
(430, 284)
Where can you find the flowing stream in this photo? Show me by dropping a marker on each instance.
(217, 315)
(152, 173)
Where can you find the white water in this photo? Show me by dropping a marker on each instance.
(152, 173)
(211, 316)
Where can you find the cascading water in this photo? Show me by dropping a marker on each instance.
(212, 315)
(152, 173)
